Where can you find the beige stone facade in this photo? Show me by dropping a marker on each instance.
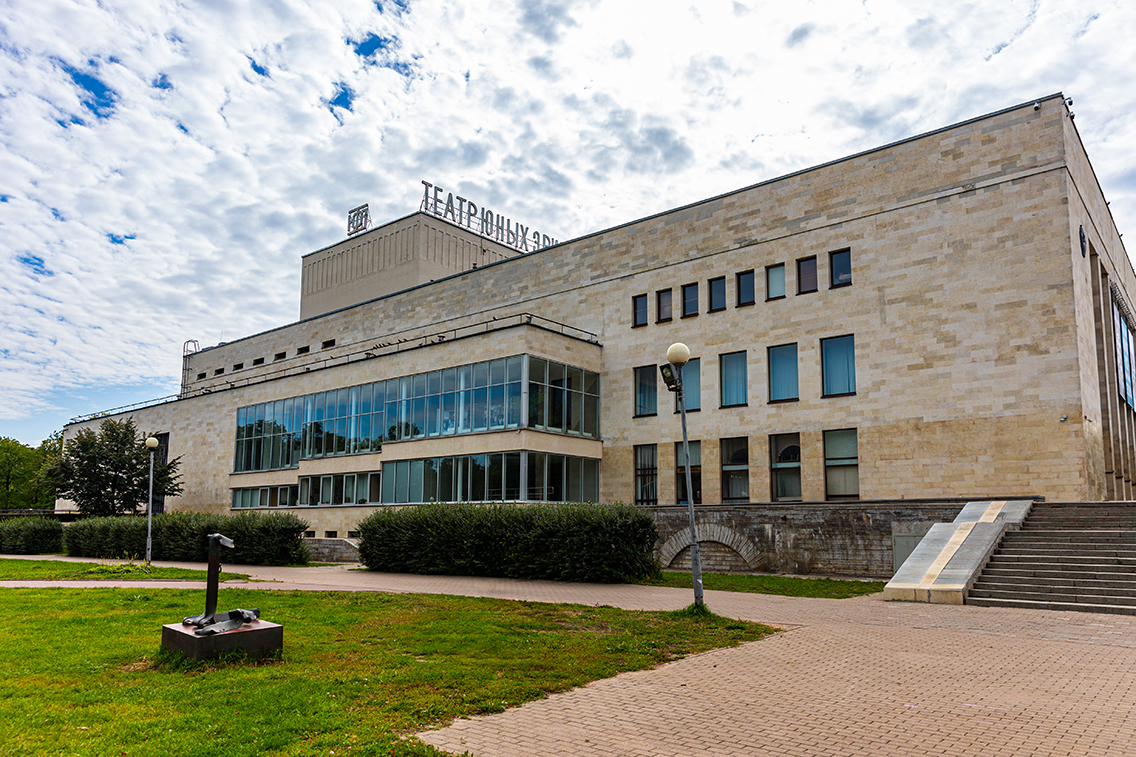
(984, 336)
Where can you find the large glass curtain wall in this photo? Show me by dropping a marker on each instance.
(486, 396)
(1125, 355)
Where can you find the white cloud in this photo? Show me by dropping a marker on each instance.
(165, 165)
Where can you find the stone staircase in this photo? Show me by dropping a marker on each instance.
(1066, 556)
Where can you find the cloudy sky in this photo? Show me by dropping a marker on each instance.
(164, 165)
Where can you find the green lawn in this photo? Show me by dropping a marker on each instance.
(57, 570)
(786, 586)
(83, 673)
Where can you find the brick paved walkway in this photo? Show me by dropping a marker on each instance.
(851, 677)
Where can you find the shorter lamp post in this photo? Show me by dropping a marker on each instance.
(678, 354)
(152, 444)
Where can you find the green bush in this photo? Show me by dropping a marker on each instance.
(559, 542)
(30, 536)
(259, 539)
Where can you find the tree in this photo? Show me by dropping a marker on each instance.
(18, 466)
(108, 473)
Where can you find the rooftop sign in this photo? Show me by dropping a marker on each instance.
(482, 221)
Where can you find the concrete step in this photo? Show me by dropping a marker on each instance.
(1119, 581)
(1032, 605)
(1064, 559)
(1048, 567)
(1011, 592)
(1078, 550)
(1072, 534)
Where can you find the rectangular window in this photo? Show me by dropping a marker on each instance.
(783, 373)
(732, 384)
(735, 470)
(838, 365)
(691, 385)
(689, 300)
(785, 465)
(645, 388)
(840, 268)
(806, 275)
(745, 289)
(775, 282)
(841, 464)
(639, 310)
(717, 294)
(695, 472)
(646, 475)
(662, 305)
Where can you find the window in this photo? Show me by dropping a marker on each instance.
(745, 289)
(840, 267)
(807, 275)
(841, 464)
(732, 367)
(717, 294)
(646, 475)
(258, 361)
(691, 385)
(695, 472)
(689, 300)
(735, 470)
(783, 373)
(775, 282)
(218, 371)
(785, 465)
(238, 366)
(838, 364)
(303, 350)
(639, 310)
(200, 376)
(662, 305)
(645, 387)
(327, 344)
(280, 356)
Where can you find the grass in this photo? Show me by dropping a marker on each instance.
(57, 570)
(360, 672)
(786, 586)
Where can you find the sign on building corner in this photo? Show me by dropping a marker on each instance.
(358, 220)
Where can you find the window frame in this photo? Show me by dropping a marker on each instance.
(683, 290)
(697, 362)
(659, 305)
(832, 283)
(654, 383)
(797, 371)
(771, 297)
(824, 367)
(841, 462)
(722, 379)
(648, 476)
(731, 467)
(775, 465)
(719, 281)
(695, 472)
(739, 302)
(816, 275)
(636, 301)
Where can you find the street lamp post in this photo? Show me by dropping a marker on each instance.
(678, 354)
(152, 444)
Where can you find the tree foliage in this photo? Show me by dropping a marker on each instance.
(108, 472)
(19, 465)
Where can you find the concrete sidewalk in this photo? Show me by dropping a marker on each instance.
(852, 677)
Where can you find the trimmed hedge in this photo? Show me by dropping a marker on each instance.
(259, 539)
(31, 536)
(559, 542)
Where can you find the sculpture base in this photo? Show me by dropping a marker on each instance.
(257, 639)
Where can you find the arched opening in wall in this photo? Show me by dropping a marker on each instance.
(716, 558)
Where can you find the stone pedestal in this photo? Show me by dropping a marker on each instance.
(257, 639)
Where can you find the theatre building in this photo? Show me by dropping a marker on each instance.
(946, 316)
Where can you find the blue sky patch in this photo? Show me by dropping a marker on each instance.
(162, 82)
(119, 238)
(97, 97)
(260, 70)
(397, 7)
(181, 127)
(3, 198)
(372, 42)
(343, 98)
(35, 263)
(57, 215)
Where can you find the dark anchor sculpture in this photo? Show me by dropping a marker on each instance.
(211, 622)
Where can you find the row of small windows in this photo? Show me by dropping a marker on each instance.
(840, 275)
(487, 396)
(1124, 344)
(327, 344)
(838, 376)
(841, 465)
(492, 477)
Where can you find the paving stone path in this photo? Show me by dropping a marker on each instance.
(849, 677)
